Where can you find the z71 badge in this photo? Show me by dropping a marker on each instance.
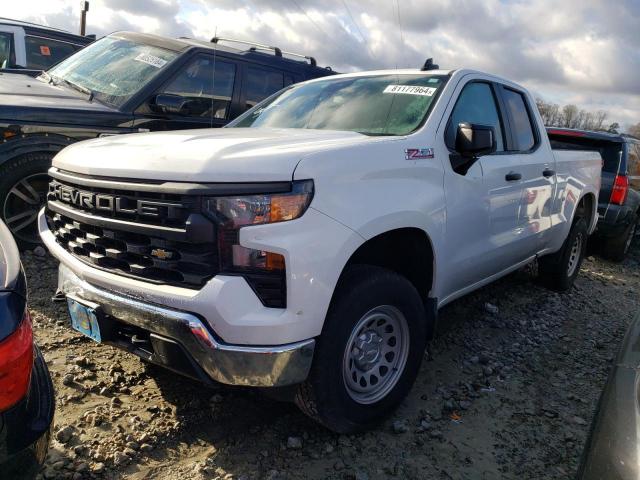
(418, 153)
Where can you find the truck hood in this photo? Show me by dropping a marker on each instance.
(24, 95)
(205, 155)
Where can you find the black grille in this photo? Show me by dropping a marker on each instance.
(152, 258)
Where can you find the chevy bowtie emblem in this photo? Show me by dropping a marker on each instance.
(161, 254)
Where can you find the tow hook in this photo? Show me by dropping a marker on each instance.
(59, 297)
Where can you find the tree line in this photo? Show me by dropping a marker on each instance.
(570, 116)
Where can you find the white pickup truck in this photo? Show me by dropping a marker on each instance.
(311, 243)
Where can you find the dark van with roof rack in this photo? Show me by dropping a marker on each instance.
(30, 48)
(619, 200)
(122, 83)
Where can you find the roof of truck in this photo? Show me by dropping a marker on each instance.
(182, 44)
(36, 28)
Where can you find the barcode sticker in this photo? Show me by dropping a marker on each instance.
(151, 60)
(410, 90)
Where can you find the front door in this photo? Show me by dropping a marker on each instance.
(483, 200)
(207, 96)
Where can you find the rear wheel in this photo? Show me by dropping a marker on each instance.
(559, 270)
(369, 353)
(24, 183)
(616, 248)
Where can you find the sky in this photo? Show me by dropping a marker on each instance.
(585, 52)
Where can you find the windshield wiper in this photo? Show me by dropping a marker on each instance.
(77, 87)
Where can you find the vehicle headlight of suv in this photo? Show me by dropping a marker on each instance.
(263, 270)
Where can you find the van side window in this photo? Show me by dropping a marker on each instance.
(476, 104)
(5, 50)
(204, 91)
(45, 52)
(261, 83)
(521, 126)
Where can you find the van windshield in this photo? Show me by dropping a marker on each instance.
(394, 104)
(112, 69)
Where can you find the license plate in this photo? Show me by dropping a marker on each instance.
(84, 318)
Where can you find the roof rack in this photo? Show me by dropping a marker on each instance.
(258, 46)
(32, 24)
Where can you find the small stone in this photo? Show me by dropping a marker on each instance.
(435, 434)
(145, 447)
(129, 452)
(39, 251)
(133, 445)
(294, 443)
(64, 434)
(491, 308)
(339, 465)
(98, 468)
(400, 426)
(120, 458)
(67, 379)
(579, 421)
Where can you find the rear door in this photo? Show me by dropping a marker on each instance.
(259, 82)
(537, 167)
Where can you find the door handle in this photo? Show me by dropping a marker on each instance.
(512, 176)
(547, 172)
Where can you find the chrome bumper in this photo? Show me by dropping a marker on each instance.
(271, 366)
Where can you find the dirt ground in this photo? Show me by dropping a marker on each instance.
(508, 391)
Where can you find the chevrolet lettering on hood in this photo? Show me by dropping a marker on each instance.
(112, 204)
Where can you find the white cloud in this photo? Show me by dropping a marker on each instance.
(582, 51)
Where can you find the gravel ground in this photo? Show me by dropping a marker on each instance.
(508, 391)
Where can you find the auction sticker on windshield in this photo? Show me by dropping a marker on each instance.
(410, 90)
(151, 60)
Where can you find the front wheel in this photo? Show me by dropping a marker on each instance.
(369, 353)
(24, 183)
(559, 270)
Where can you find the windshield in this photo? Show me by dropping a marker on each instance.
(113, 69)
(393, 104)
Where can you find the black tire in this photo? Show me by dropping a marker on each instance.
(325, 396)
(17, 213)
(559, 270)
(616, 248)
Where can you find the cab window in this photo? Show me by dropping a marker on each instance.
(521, 121)
(42, 53)
(208, 94)
(261, 83)
(476, 104)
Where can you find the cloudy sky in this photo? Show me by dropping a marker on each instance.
(585, 52)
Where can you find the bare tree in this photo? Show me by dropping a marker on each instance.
(634, 130)
(569, 113)
(600, 118)
(570, 116)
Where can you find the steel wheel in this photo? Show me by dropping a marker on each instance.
(376, 354)
(574, 255)
(22, 204)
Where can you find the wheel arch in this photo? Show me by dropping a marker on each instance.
(37, 143)
(587, 208)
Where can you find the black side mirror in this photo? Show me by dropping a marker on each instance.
(169, 103)
(473, 140)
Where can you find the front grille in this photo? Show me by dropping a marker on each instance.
(136, 255)
(162, 236)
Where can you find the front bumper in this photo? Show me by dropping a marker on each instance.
(25, 428)
(171, 330)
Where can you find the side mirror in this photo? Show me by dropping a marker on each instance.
(474, 140)
(169, 103)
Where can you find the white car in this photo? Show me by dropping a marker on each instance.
(310, 244)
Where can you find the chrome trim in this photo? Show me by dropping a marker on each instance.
(270, 366)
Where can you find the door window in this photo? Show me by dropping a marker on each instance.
(521, 122)
(208, 95)
(5, 50)
(476, 104)
(261, 83)
(42, 53)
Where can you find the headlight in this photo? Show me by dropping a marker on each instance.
(263, 270)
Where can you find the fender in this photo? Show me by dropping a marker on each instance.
(40, 142)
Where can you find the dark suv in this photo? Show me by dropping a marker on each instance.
(619, 201)
(122, 83)
(31, 48)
